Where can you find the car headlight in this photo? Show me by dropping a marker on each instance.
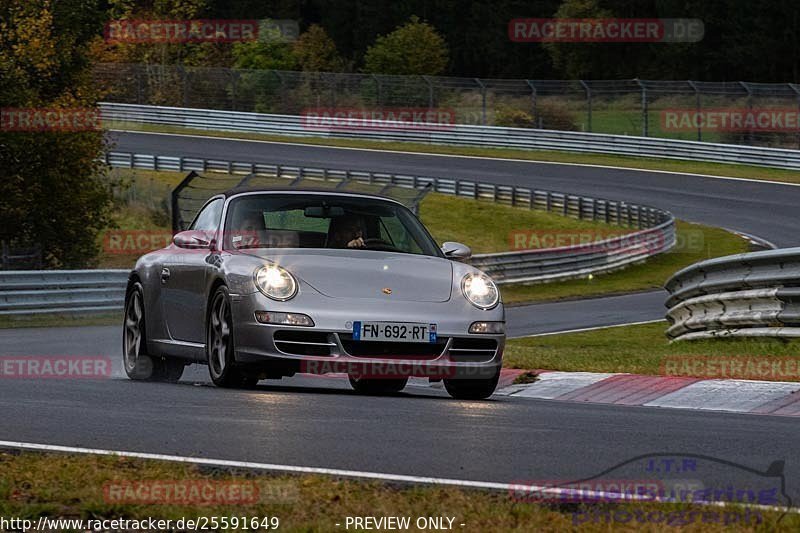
(276, 283)
(480, 290)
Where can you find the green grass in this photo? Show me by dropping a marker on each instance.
(485, 226)
(72, 486)
(145, 177)
(691, 167)
(637, 349)
(695, 243)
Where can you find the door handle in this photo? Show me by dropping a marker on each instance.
(164, 275)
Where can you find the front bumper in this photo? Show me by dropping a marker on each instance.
(327, 347)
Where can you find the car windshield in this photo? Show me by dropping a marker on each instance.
(324, 221)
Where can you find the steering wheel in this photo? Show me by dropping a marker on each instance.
(378, 243)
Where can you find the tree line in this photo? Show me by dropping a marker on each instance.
(743, 40)
(53, 191)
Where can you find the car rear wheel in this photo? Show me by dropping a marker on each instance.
(220, 347)
(472, 389)
(377, 386)
(138, 364)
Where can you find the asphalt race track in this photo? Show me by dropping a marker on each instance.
(318, 422)
(589, 313)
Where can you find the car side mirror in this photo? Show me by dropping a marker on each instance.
(456, 251)
(192, 240)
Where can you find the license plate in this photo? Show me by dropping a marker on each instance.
(394, 331)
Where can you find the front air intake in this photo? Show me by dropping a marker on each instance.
(298, 342)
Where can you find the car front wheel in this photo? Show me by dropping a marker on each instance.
(220, 346)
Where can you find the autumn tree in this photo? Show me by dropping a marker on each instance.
(271, 51)
(52, 192)
(583, 60)
(315, 51)
(414, 48)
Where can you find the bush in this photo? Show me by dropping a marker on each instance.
(549, 116)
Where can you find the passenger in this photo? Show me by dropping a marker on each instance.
(347, 232)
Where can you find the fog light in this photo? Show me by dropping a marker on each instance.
(488, 327)
(284, 319)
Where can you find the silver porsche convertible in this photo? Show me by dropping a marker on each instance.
(268, 283)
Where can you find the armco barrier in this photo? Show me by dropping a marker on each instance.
(577, 261)
(88, 291)
(91, 291)
(755, 294)
(463, 135)
(31, 292)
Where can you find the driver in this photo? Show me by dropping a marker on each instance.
(348, 232)
(250, 228)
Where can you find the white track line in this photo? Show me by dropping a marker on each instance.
(579, 330)
(281, 468)
(590, 165)
(755, 239)
(485, 485)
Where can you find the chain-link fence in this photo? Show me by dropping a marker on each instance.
(17, 258)
(730, 112)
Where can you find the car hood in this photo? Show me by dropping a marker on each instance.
(367, 274)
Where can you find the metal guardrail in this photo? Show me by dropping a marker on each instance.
(577, 261)
(462, 135)
(638, 105)
(32, 292)
(89, 291)
(754, 294)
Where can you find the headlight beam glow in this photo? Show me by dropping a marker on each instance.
(276, 282)
(480, 290)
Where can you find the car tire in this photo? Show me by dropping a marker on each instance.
(138, 364)
(167, 369)
(377, 386)
(472, 389)
(221, 347)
